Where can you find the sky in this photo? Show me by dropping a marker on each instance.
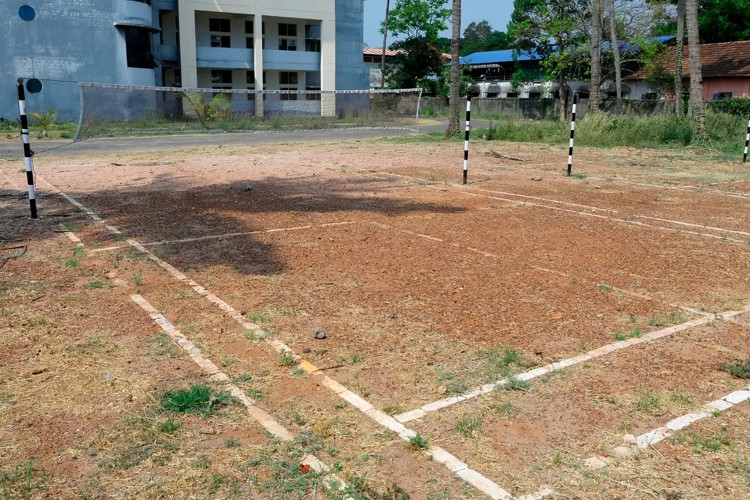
(496, 12)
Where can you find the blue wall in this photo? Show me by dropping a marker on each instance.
(350, 67)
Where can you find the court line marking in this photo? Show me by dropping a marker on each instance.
(209, 368)
(684, 187)
(439, 455)
(655, 436)
(465, 190)
(226, 235)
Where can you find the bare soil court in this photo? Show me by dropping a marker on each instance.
(528, 335)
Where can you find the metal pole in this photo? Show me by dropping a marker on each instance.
(466, 138)
(747, 142)
(572, 133)
(27, 153)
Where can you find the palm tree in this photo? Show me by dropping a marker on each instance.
(385, 40)
(615, 47)
(596, 54)
(679, 105)
(455, 71)
(698, 115)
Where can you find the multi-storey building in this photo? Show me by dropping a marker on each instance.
(237, 44)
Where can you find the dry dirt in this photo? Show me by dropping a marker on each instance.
(421, 285)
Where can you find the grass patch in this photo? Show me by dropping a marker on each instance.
(418, 442)
(666, 319)
(469, 426)
(634, 332)
(286, 358)
(21, 482)
(259, 317)
(604, 287)
(516, 384)
(649, 403)
(259, 334)
(711, 443)
(199, 399)
(163, 346)
(739, 368)
(98, 285)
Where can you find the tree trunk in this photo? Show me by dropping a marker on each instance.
(698, 116)
(596, 55)
(679, 105)
(615, 48)
(385, 43)
(455, 92)
(563, 91)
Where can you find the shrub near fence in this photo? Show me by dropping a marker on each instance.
(739, 106)
(547, 109)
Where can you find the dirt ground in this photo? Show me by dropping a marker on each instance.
(425, 289)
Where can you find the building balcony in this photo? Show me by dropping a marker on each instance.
(223, 58)
(169, 53)
(284, 60)
(135, 12)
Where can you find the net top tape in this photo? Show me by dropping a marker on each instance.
(246, 91)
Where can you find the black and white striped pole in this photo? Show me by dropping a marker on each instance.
(27, 148)
(747, 142)
(572, 133)
(466, 138)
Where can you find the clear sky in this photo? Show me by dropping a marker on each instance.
(496, 12)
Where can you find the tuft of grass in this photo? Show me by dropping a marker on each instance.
(138, 278)
(199, 399)
(739, 368)
(286, 358)
(634, 332)
(504, 409)
(169, 426)
(97, 285)
(666, 319)
(713, 442)
(469, 426)
(71, 263)
(231, 443)
(649, 402)
(418, 442)
(604, 287)
(515, 384)
(21, 481)
(258, 317)
(259, 334)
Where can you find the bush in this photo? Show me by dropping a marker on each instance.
(739, 106)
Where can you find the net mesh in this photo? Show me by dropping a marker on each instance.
(109, 110)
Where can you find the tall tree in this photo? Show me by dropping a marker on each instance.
(679, 104)
(550, 30)
(420, 22)
(724, 20)
(455, 71)
(597, 8)
(615, 43)
(385, 43)
(698, 115)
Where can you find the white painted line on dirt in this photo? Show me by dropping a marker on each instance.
(685, 187)
(209, 368)
(472, 477)
(72, 237)
(227, 235)
(559, 365)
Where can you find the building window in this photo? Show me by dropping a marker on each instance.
(721, 95)
(250, 81)
(177, 77)
(312, 45)
(287, 36)
(218, 27)
(288, 80)
(138, 47)
(221, 78)
(314, 95)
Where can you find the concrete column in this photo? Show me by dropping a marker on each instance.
(258, 62)
(188, 49)
(328, 66)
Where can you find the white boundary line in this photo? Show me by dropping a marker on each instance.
(465, 190)
(684, 187)
(227, 235)
(209, 368)
(655, 436)
(459, 468)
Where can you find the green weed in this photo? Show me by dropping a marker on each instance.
(739, 368)
(634, 332)
(468, 426)
(259, 317)
(138, 278)
(199, 399)
(516, 384)
(418, 442)
(286, 358)
(667, 319)
(604, 287)
(21, 481)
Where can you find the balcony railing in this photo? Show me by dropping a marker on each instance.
(223, 58)
(284, 60)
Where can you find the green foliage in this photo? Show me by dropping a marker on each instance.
(418, 19)
(418, 442)
(660, 80)
(739, 106)
(468, 426)
(724, 20)
(208, 109)
(20, 482)
(739, 368)
(416, 60)
(199, 399)
(45, 120)
(481, 37)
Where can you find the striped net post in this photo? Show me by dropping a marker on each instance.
(27, 147)
(466, 138)
(572, 133)
(747, 142)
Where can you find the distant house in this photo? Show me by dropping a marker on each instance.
(492, 72)
(726, 70)
(373, 59)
